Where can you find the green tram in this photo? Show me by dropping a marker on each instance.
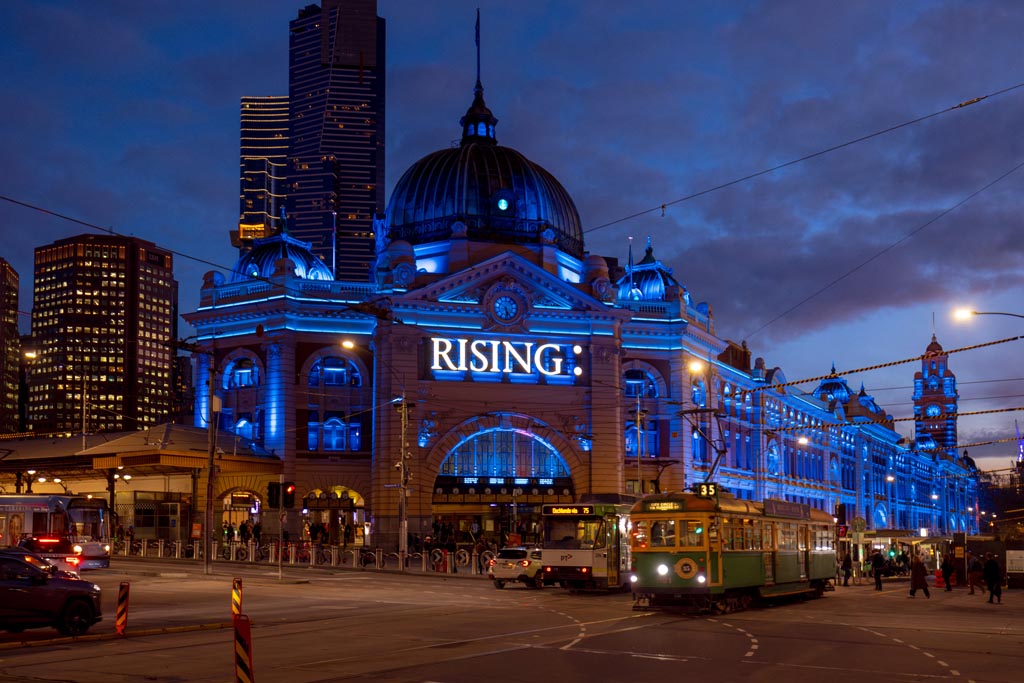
(708, 550)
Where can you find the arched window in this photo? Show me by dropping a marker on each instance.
(699, 393)
(501, 452)
(639, 384)
(333, 371)
(241, 373)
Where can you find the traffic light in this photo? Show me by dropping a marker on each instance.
(841, 513)
(288, 494)
(274, 495)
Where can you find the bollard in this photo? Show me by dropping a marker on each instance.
(160, 548)
(252, 552)
(312, 555)
(334, 556)
(177, 550)
(378, 559)
(213, 550)
(236, 597)
(145, 547)
(121, 613)
(291, 553)
(243, 649)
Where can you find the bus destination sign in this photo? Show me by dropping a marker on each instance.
(568, 510)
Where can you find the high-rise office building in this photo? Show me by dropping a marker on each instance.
(10, 348)
(336, 136)
(263, 162)
(104, 309)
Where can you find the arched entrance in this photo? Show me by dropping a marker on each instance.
(496, 472)
(336, 516)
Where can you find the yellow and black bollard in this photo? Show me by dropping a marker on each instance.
(243, 650)
(236, 597)
(121, 613)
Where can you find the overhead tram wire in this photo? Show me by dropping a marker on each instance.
(793, 162)
(367, 308)
(885, 250)
(879, 366)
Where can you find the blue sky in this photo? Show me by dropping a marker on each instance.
(125, 115)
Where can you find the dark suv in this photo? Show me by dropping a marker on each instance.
(36, 594)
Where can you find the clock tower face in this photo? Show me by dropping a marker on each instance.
(505, 308)
(933, 410)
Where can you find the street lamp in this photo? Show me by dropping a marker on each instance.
(966, 313)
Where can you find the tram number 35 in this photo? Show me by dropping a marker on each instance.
(706, 489)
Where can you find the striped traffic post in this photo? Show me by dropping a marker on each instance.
(243, 650)
(236, 597)
(121, 613)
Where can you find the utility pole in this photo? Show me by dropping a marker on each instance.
(403, 486)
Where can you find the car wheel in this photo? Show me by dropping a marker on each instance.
(499, 584)
(76, 618)
(538, 580)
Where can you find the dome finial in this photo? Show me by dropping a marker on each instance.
(478, 123)
(479, 86)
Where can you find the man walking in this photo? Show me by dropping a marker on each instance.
(877, 567)
(993, 576)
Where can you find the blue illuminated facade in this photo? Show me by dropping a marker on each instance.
(507, 367)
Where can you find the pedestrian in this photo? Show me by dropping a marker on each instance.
(947, 571)
(877, 567)
(847, 568)
(974, 573)
(918, 577)
(257, 532)
(993, 578)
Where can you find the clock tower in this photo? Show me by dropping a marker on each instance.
(935, 401)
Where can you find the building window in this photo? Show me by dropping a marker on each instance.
(334, 372)
(502, 452)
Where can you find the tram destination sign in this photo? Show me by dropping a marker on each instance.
(556, 510)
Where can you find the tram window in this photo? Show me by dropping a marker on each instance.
(787, 537)
(663, 533)
(691, 533)
(768, 536)
(752, 532)
(639, 538)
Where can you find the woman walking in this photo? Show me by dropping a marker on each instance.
(918, 577)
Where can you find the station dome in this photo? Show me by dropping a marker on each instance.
(261, 261)
(484, 192)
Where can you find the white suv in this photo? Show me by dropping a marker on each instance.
(517, 563)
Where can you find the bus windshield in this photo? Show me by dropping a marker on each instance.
(574, 533)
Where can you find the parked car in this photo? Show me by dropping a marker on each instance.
(36, 594)
(516, 563)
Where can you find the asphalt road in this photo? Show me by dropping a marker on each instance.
(333, 626)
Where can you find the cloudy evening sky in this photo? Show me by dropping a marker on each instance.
(125, 115)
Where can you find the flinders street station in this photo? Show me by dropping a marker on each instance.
(492, 364)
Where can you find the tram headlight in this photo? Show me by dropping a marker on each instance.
(701, 578)
(633, 578)
(662, 569)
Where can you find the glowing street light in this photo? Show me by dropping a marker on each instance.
(967, 314)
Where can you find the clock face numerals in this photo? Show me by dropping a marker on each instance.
(933, 410)
(505, 308)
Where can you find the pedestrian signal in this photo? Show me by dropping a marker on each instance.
(842, 530)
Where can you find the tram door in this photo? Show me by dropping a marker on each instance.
(611, 524)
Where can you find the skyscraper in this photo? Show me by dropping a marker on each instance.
(263, 162)
(336, 134)
(10, 348)
(104, 309)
